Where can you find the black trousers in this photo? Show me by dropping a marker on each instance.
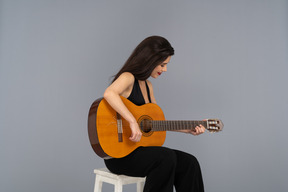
(163, 169)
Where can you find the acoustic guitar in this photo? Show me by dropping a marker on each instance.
(109, 133)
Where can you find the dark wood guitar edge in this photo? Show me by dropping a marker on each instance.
(92, 129)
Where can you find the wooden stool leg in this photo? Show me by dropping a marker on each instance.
(118, 186)
(140, 186)
(98, 184)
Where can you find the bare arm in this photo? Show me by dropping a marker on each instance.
(122, 86)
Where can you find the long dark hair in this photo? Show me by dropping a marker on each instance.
(151, 52)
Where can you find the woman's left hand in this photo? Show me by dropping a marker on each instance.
(198, 130)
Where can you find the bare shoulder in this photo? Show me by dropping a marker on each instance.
(123, 84)
(126, 78)
(127, 75)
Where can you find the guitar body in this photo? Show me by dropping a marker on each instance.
(103, 128)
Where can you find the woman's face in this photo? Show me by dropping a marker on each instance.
(160, 68)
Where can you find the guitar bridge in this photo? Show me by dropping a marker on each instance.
(119, 128)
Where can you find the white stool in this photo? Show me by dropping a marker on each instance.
(104, 175)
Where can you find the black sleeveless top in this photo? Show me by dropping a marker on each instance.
(136, 95)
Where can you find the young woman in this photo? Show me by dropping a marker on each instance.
(162, 167)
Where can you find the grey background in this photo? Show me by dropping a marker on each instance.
(57, 57)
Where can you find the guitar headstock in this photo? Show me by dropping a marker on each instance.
(214, 125)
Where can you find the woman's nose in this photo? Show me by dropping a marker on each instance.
(164, 68)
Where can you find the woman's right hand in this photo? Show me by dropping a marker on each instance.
(136, 133)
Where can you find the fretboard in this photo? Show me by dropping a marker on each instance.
(168, 125)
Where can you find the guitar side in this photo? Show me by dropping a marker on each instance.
(92, 131)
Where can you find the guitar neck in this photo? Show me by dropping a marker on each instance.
(168, 125)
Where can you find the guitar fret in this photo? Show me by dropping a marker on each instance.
(167, 125)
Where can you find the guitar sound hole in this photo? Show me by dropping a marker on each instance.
(145, 123)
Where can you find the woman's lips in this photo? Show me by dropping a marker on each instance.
(159, 73)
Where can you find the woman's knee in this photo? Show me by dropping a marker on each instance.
(167, 156)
